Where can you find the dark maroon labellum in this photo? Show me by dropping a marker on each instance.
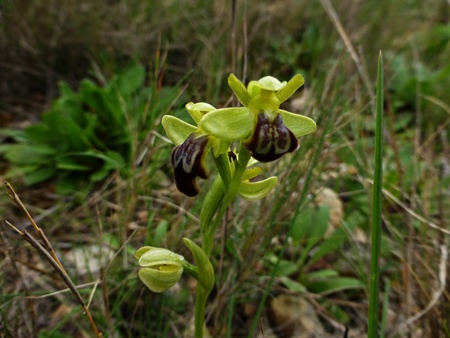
(270, 140)
(187, 160)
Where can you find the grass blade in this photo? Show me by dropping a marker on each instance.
(376, 208)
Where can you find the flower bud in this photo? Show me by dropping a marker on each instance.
(160, 268)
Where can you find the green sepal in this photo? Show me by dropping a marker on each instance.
(290, 88)
(149, 256)
(251, 173)
(299, 125)
(177, 130)
(205, 268)
(263, 100)
(159, 280)
(256, 190)
(198, 110)
(268, 83)
(230, 124)
(239, 90)
(138, 254)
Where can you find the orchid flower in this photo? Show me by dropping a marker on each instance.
(267, 131)
(191, 147)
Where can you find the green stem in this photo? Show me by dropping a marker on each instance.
(200, 304)
(211, 203)
(230, 195)
(376, 209)
(208, 231)
(190, 269)
(223, 166)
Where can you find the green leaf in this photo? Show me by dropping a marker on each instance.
(22, 170)
(39, 132)
(377, 206)
(99, 175)
(285, 267)
(322, 274)
(22, 154)
(320, 221)
(205, 268)
(310, 224)
(31, 174)
(334, 284)
(74, 134)
(105, 105)
(101, 164)
(309, 227)
(68, 163)
(334, 242)
(69, 104)
(65, 90)
(337, 312)
(131, 80)
(293, 285)
(91, 132)
(40, 175)
(61, 131)
(112, 161)
(17, 135)
(301, 224)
